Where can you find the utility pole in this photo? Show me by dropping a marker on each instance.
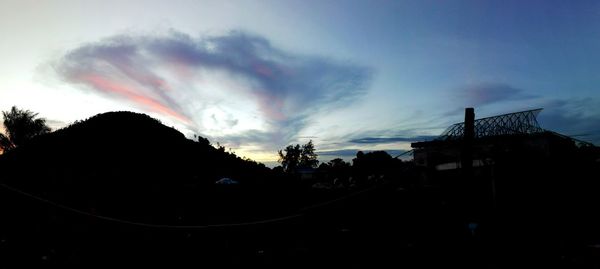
(468, 137)
(470, 188)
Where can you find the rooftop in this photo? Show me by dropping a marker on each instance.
(517, 123)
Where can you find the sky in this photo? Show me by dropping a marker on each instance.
(255, 76)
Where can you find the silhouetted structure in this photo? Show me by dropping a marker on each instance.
(491, 137)
(514, 184)
(523, 122)
(121, 187)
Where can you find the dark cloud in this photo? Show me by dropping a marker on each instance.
(579, 118)
(351, 153)
(341, 152)
(476, 95)
(385, 140)
(287, 88)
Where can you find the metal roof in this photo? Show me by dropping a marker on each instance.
(524, 122)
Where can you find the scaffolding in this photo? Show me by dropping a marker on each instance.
(524, 122)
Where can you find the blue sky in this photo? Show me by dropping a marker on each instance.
(350, 75)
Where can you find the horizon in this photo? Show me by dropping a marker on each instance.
(349, 75)
(271, 164)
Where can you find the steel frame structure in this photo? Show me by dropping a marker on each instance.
(524, 122)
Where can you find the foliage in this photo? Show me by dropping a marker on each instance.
(21, 126)
(338, 163)
(376, 162)
(296, 156)
(290, 159)
(308, 157)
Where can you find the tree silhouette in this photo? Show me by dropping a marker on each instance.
(289, 161)
(340, 169)
(298, 156)
(376, 162)
(20, 126)
(308, 157)
(338, 163)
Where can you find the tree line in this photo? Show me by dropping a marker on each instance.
(22, 125)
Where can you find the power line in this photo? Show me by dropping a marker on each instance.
(193, 227)
(404, 153)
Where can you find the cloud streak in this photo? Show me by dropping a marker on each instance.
(348, 154)
(175, 75)
(573, 117)
(386, 140)
(489, 93)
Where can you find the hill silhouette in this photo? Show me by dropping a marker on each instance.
(126, 164)
(128, 167)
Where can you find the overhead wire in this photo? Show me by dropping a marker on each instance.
(301, 212)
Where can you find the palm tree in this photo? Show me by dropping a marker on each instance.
(20, 126)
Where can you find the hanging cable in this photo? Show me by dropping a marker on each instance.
(193, 227)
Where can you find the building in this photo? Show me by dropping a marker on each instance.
(502, 157)
(506, 173)
(481, 142)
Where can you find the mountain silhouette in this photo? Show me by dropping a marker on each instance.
(125, 164)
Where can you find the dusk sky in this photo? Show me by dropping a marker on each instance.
(256, 76)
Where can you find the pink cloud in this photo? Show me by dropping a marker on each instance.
(271, 106)
(263, 70)
(127, 92)
(285, 87)
(489, 93)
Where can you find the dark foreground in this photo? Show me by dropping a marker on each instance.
(383, 226)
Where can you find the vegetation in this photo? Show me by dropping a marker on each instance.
(21, 126)
(294, 157)
(130, 168)
(107, 158)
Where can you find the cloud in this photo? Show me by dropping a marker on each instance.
(181, 77)
(348, 154)
(229, 122)
(249, 137)
(579, 118)
(341, 152)
(55, 124)
(481, 94)
(385, 140)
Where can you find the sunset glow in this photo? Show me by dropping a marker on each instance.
(350, 76)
